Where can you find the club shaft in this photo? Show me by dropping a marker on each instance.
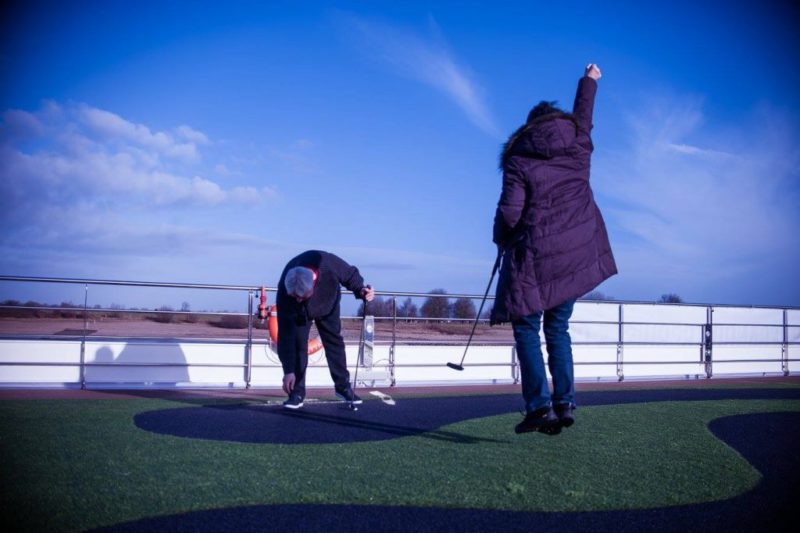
(361, 344)
(480, 309)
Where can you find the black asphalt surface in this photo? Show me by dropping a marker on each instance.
(768, 441)
(325, 423)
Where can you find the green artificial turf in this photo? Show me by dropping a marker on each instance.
(78, 464)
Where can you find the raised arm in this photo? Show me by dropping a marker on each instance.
(584, 98)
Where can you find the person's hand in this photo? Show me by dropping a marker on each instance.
(593, 71)
(288, 383)
(367, 293)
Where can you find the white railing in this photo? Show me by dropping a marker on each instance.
(612, 340)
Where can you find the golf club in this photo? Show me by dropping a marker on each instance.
(350, 404)
(460, 366)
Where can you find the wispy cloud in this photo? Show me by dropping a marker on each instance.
(190, 134)
(293, 158)
(696, 207)
(427, 59)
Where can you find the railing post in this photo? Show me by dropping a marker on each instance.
(392, 381)
(708, 342)
(785, 345)
(514, 365)
(248, 351)
(620, 343)
(83, 338)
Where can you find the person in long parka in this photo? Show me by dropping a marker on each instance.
(555, 247)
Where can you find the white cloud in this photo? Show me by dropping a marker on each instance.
(294, 158)
(192, 135)
(84, 183)
(698, 207)
(222, 169)
(252, 195)
(113, 126)
(427, 60)
(82, 151)
(21, 125)
(696, 150)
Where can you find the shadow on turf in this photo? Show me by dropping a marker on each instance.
(760, 438)
(326, 423)
(322, 423)
(392, 430)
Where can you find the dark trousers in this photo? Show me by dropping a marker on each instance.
(330, 332)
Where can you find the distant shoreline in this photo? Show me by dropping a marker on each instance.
(211, 328)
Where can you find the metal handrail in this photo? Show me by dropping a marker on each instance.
(396, 294)
(705, 343)
(128, 283)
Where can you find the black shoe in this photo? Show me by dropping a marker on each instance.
(294, 402)
(543, 420)
(565, 415)
(348, 396)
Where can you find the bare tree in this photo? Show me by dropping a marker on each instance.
(436, 306)
(377, 307)
(164, 315)
(408, 309)
(671, 298)
(596, 295)
(464, 308)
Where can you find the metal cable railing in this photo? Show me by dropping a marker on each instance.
(674, 334)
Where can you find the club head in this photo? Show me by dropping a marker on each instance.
(455, 366)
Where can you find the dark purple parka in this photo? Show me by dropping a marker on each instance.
(555, 241)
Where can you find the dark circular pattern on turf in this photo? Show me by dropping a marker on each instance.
(326, 423)
(767, 441)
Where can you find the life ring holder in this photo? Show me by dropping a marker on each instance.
(314, 345)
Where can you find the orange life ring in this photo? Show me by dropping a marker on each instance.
(314, 345)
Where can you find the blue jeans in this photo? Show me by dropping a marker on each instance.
(559, 357)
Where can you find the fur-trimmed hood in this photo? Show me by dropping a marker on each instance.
(544, 138)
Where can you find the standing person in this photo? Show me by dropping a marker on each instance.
(309, 290)
(556, 248)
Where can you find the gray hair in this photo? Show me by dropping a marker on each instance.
(299, 281)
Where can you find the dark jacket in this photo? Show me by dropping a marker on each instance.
(333, 272)
(554, 238)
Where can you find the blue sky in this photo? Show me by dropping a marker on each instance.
(210, 142)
